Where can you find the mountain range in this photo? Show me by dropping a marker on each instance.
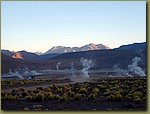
(54, 51)
(63, 49)
(101, 55)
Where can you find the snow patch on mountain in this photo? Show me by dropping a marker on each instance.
(63, 49)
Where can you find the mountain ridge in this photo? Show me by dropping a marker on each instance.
(64, 49)
(102, 58)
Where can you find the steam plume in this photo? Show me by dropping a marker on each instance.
(57, 66)
(120, 71)
(87, 64)
(73, 70)
(19, 75)
(135, 68)
(72, 67)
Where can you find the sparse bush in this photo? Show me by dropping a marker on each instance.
(137, 93)
(4, 94)
(48, 96)
(66, 88)
(103, 82)
(40, 88)
(54, 87)
(114, 82)
(92, 96)
(56, 97)
(107, 92)
(77, 97)
(64, 98)
(3, 98)
(28, 98)
(125, 89)
(96, 92)
(110, 97)
(102, 87)
(144, 98)
(59, 90)
(20, 89)
(36, 91)
(48, 90)
(70, 94)
(137, 100)
(39, 98)
(83, 90)
(121, 91)
(30, 91)
(128, 96)
(139, 88)
(14, 91)
(25, 93)
(11, 98)
(117, 97)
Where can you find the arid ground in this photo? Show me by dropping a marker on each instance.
(103, 94)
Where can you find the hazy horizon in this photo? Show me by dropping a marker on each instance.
(38, 26)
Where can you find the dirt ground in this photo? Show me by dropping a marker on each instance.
(84, 104)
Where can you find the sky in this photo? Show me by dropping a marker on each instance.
(38, 26)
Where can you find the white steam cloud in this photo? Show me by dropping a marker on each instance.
(19, 75)
(87, 64)
(120, 71)
(57, 66)
(73, 70)
(135, 68)
(16, 73)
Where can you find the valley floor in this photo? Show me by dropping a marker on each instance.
(105, 94)
(84, 104)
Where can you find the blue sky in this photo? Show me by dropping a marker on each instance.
(37, 26)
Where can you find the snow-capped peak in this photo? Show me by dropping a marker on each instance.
(63, 49)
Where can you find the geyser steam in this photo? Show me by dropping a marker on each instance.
(19, 75)
(73, 70)
(72, 67)
(135, 68)
(120, 71)
(87, 64)
(57, 66)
